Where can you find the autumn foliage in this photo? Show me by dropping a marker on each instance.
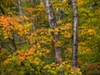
(26, 42)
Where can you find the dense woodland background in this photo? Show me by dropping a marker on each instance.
(49, 37)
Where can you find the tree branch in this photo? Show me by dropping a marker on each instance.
(5, 45)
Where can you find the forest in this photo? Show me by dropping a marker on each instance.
(49, 37)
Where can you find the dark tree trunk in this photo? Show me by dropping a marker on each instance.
(13, 44)
(75, 35)
(5, 45)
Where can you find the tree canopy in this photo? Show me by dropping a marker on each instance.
(41, 37)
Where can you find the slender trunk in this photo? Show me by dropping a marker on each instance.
(60, 11)
(52, 22)
(20, 7)
(75, 35)
(34, 28)
(13, 44)
(41, 1)
(32, 1)
(20, 14)
(63, 0)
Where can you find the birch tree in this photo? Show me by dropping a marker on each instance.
(53, 25)
(75, 35)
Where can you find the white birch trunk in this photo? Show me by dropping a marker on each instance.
(75, 35)
(53, 25)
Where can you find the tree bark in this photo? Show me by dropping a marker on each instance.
(52, 22)
(41, 1)
(20, 7)
(5, 45)
(13, 43)
(75, 35)
(32, 1)
(53, 25)
(63, 0)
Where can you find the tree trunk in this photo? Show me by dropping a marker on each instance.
(63, 0)
(32, 1)
(75, 35)
(20, 7)
(52, 22)
(41, 1)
